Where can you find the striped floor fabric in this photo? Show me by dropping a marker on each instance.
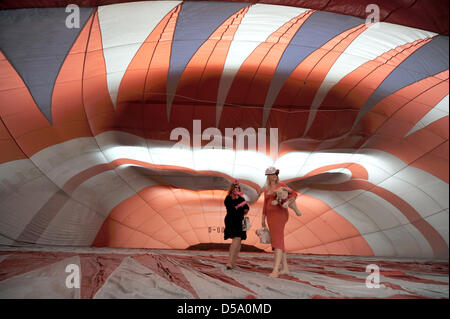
(177, 274)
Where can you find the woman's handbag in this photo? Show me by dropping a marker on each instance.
(246, 224)
(264, 235)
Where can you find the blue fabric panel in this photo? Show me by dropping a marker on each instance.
(196, 23)
(317, 30)
(428, 60)
(36, 42)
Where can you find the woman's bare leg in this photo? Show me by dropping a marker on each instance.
(230, 256)
(278, 254)
(237, 249)
(284, 267)
(234, 250)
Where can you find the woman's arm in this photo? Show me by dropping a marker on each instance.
(263, 217)
(246, 208)
(292, 193)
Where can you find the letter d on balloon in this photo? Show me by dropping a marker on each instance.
(373, 280)
(73, 279)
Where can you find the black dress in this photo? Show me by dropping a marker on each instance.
(234, 217)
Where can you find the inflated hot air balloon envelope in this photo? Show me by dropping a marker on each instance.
(119, 139)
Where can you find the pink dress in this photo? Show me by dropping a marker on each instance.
(277, 217)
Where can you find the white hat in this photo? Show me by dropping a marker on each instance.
(272, 170)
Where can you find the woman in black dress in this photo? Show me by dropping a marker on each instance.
(236, 209)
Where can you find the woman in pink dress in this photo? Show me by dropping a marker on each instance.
(277, 216)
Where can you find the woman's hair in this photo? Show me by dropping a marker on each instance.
(268, 181)
(232, 187)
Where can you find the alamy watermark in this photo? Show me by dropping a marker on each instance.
(373, 17)
(73, 279)
(73, 19)
(248, 139)
(373, 280)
